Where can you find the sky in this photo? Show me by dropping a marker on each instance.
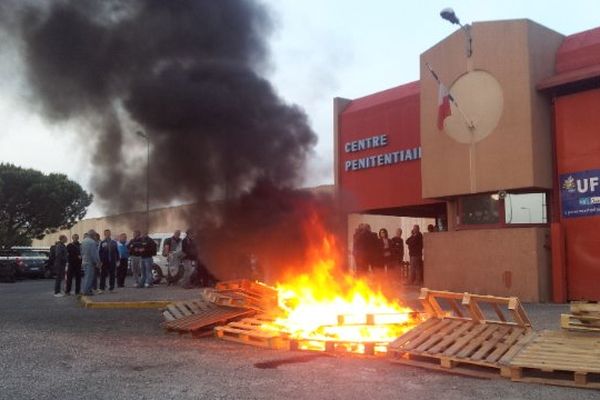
(319, 50)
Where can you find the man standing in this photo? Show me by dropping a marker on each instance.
(190, 257)
(415, 252)
(60, 263)
(123, 260)
(109, 255)
(135, 253)
(89, 260)
(74, 266)
(148, 250)
(172, 250)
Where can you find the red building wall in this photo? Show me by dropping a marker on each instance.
(394, 113)
(578, 149)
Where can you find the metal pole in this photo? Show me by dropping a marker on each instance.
(147, 184)
(147, 137)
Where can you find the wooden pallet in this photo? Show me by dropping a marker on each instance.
(559, 358)
(583, 317)
(243, 293)
(473, 307)
(196, 315)
(331, 346)
(247, 331)
(379, 319)
(460, 346)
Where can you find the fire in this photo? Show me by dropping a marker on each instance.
(328, 305)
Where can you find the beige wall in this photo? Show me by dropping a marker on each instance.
(517, 153)
(501, 262)
(164, 220)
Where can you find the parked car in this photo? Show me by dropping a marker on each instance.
(8, 267)
(45, 251)
(27, 263)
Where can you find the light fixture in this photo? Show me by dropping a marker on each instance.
(449, 15)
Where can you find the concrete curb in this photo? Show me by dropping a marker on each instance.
(148, 304)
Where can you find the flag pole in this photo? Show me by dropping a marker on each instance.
(468, 121)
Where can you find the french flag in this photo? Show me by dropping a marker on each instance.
(444, 110)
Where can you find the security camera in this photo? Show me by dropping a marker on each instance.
(502, 194)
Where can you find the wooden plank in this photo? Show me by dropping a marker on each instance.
(175, 311)
(427, 333)
(508, 342)
(416, 331)
(463, 341)
(451, 338)
(475, 312)
(455, 307)
(499, 312)
(437, 336)
(584, 308)
(477, 341)
(489, 344)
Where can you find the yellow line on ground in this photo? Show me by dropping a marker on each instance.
(89, 303)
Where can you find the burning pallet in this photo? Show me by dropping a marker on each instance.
(248, 331)
(584, 317)
(559, 358)
(467, 334)
(263, 331)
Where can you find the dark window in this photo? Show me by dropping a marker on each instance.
(479, 210)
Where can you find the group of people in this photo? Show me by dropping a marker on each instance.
(100, 259)
(380, 252)
(184, 252)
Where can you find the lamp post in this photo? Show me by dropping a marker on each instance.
(449, 15)
(528, 212)
(145, 136)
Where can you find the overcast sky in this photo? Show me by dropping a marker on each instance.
(320, 50)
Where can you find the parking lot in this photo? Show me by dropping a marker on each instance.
(53, 348)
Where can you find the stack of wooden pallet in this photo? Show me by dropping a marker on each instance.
(243, 293)
(229, 301)
(584, 316)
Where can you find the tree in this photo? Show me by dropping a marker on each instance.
(33, 204)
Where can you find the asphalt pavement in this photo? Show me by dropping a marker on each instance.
(52, 348)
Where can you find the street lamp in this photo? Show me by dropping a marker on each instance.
(145, 136)
(449, 15)
(528, 212)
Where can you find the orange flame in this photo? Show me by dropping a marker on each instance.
(330, 305)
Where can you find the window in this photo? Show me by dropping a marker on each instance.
(502, 210)
(527, 208)
(479, 210)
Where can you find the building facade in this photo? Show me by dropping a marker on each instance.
(501, 165)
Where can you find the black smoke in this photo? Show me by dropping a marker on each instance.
(188, 73)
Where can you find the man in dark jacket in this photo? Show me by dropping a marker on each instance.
(135, 254)
(109, 256)
(60, 263)
(74, 265)
(147, 249)
(398, 252)
(190, 257)
(415, 252)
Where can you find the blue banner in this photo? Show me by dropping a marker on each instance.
(580, 193)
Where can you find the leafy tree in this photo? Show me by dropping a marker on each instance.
(33, 204)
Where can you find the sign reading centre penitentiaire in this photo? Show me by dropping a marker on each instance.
(377, 160)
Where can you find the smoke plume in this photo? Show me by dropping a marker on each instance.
(189, 74)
